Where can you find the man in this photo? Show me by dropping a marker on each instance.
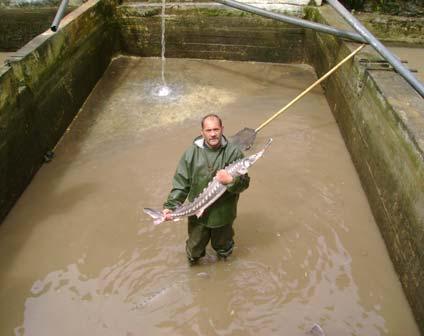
(209, 154)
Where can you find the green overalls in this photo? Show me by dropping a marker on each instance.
(196, 168)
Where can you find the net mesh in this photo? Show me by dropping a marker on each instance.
(244, 138)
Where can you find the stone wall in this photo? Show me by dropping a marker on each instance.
(42, 89)
(382, 121)
(208, 31)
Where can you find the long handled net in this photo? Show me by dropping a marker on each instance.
(246, 137)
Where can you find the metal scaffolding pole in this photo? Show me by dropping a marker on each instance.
(59, 15)
(295, 21)
(378, 46)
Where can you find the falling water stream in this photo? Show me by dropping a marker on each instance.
(164, 90)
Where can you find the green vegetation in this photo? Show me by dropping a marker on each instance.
(353, 4)
(393, 7)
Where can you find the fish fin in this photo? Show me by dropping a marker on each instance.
(155, 214)
(200, 212)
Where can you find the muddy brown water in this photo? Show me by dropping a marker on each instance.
(78, 256)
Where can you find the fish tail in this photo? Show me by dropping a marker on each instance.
(268, 143)
(155, 214)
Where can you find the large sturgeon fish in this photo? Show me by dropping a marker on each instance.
(211, 193)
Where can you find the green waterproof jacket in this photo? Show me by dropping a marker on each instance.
(197, 167)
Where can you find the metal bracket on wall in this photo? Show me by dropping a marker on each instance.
(378, 46)
(362, 76)
(380, 65)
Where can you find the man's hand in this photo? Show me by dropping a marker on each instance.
(223, 177)
(167, 214)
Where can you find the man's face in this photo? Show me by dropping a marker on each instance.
(212, 132)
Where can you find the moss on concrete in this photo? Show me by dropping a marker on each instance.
(44, 86)
(381, 119)
(208, 31)
(19, 25)
(394, 29)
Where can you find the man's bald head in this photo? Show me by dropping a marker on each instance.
(210, 116)
(212, 130)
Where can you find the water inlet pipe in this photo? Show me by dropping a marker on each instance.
(59, 15)
(295, 21)
(378, 46)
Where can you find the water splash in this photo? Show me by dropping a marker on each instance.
(164, 91)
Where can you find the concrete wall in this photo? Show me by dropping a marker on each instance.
(292, 7)
(37, 3)
(382, 121)
(395, 29)
(41, 91)
(380, 116)
(22, 20)
(20, 25)
(208, 31)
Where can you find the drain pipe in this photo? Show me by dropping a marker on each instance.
(381, 49)
(298, 22)
(59, 15)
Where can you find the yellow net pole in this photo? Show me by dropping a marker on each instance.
(310, 88)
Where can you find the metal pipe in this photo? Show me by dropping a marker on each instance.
(296, 21)
(378, 46)
(59, 15)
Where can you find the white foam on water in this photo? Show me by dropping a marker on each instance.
(164, 91)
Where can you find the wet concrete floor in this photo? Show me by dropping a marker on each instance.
(414, 58)
(78, 256)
